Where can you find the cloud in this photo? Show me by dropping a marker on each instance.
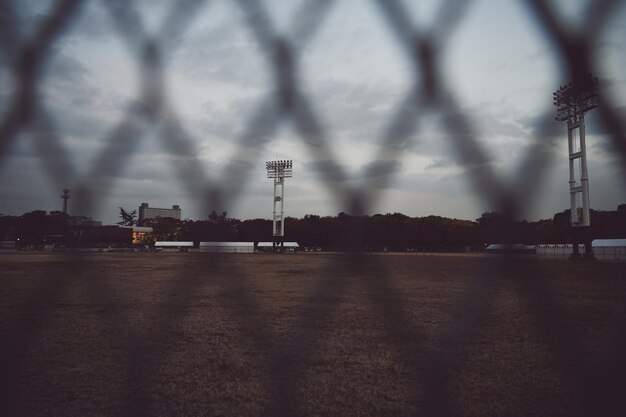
(444, 162)
(218, 78)
(223, 51)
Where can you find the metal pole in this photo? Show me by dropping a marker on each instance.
(282, 215)
(65, 197)
(584, 181)
(572, 176)
(572, 191)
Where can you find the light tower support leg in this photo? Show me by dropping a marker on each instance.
(584, 181)
(278, 225)
(580, 217)
(573, 190)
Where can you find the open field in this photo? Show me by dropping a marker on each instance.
(310, 334)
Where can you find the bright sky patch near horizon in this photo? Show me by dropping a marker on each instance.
(499, 65)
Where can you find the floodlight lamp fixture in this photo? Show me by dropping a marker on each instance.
(574, 99)
(279, 169)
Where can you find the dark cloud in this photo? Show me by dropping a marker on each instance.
(380, 169)
(222, 52)
(544, 128)
(604, 144)
(596, 126)
(379, 173)
(24, 183)
(606, 44)
(354, 111)
(227, 122)
(542, 124)
(93, 23)
(69, 70)
(329, 168)
(27, 14)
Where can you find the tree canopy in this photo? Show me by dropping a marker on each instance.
(127, 218)
(391, 231)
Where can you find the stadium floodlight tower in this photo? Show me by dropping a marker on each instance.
(279, 170)
(572, 101)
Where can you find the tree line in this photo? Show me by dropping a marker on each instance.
(391, 231)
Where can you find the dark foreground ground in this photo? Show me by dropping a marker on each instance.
(305, 335)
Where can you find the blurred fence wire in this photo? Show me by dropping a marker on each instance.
(26, 55)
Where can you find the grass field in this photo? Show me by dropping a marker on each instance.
(310, 334)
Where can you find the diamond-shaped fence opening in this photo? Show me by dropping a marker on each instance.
(25, 57)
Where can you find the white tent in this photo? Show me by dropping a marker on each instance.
(609, 249)
(510, 248)
(559, 250)
(167, 244)
(172, 246)
(271, 244)
(605, 249)
(227, 247)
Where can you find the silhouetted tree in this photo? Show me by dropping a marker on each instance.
(127, 219)
(165, 228)
(218, 218)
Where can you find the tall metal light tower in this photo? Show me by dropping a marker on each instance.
(572, 101)
(65, 196)
(279, 170)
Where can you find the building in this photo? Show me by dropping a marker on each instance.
(147, 212)
(8, 246)
(84, 221)
(227, 247)
(141, 235)
(100, 236)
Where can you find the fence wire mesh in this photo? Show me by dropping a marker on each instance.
(598, 380)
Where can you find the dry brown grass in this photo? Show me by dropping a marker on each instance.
(309, 334)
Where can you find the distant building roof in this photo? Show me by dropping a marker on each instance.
(285, 244)
(139, 229)
(608, 242)
(165, 244)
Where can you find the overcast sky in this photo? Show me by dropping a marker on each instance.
(497, 63)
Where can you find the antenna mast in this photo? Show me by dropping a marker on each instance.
(65, 196)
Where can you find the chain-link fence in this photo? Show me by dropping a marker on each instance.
(25, 56)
